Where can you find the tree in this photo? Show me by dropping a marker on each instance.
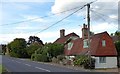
(3, 49)
(117, 45)
(117, 33)
(17, 48)
(33, 39)
(48, 51)
(32, 48)
(55, 49)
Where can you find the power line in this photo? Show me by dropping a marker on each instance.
(61, 20)
(66, 17)
(105, 15)
(101, 16)
(41, 17)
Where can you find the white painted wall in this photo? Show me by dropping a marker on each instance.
(111, 62)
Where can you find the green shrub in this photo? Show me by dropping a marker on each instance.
(80, 60)
(40, 57)
(85, 62)
(13, 54)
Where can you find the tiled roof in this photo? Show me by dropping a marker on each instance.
(96, 48)
(62, 40)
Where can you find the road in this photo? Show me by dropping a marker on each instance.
(21, 65)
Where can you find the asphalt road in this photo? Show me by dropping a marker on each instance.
(20, 65)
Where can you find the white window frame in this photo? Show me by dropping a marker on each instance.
(103, 43)
(85, 43)
(70, 45)
(102, 59)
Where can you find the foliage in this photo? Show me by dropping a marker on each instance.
(32, 48)
(33, 39)
(117, 33)
(39, 57)
(48, 51)
(17, 48)
(84, 61)
(55, 49)
(117, 45)
(3, 49)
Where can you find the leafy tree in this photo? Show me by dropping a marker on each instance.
(55, 49)
(49, 51)
(117, 33)
(33, 39)
(17, 48)
(3, 49)
(117, 44)
(32, 48)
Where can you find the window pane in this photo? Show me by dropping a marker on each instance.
(103, 43)
(85, 43)
(102, 59)
(70, 46)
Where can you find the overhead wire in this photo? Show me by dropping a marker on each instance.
(61, 19)
(101, 16)
(66, 17)
(41, 17)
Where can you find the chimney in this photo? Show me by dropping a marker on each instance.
(62, 33)
(84, 31)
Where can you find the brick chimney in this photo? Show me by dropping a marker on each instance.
(85, 32)
(62, 33)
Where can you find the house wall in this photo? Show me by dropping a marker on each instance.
(111, 62)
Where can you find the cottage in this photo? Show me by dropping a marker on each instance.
(102, 47)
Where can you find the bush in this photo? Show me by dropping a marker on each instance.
(40, 57)
(80, 60)
(85, 62)
(13, 54)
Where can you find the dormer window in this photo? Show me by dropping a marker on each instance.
(85, 43)
(103, 43)
(70, 45)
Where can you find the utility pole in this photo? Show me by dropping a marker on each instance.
(88, 23)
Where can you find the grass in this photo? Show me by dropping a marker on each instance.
(2, 69)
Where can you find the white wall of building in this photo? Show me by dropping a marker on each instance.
(111, 62)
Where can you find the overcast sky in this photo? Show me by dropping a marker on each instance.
(104, 17)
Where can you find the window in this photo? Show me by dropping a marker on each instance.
(102, 59)
(103, 43)
(70, 45)
(85, 43)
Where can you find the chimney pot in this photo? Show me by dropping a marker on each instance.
(62, 33)
(84, 32)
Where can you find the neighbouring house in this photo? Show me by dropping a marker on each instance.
(102, 47)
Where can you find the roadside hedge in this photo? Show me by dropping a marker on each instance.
(39, 57)
(85, 61)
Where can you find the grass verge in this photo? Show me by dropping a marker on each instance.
(2, 69)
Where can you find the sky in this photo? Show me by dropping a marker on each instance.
(15, 20)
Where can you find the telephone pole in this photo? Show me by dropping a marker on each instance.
(88, 23)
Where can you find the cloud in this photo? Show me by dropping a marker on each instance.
(110, 27)
(35, 18)
(27, 0)
(24, 26)
(106, 7)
